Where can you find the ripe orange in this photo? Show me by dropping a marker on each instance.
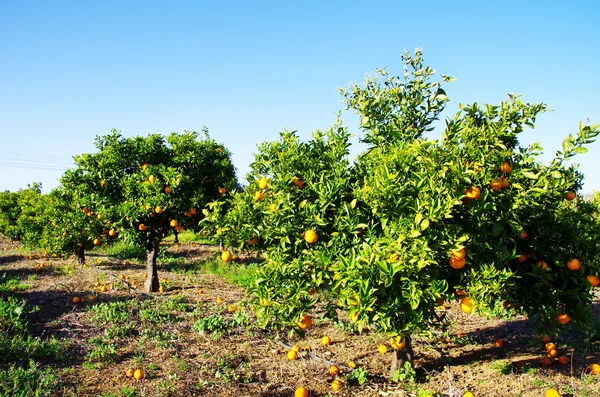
(522, 258)
(546, 361)
(333, 371)
(102, 182)
(564, 360)
(570, 196)
(301, 392)
(523, 235)
(96, 241)
(546, 339)
(552, 393)
(595, 368)
(92, 297)
(174, 223)
(219, 150)
(99, 216)
(506, 167)
(507, 305)
(457, 263)
(468, 394)
(550, 346)
(103, 288)
(226, 256)
(168, 190)
(298, 182)
(76, 299)
(158, 209)
(594, 280)
(466, 305)
(504, 182)
(112, 233)
(161, 289)
(351, 364)
(398, 342)
(296, 348)
(257, 195)
(326, 341)
(129, 373)
(142, 227)
(305, 322)
(563, 318)
(292, 355)
(574, 264)
(85, 210)
(458, 254)
(496, 185)
(473, 193)
(222, 190)
(552, 352)
(310, 236)
(354, 317)
(336, 384)
(499, 343)
(179, 228)
(263, 183)
(253, 241)
(138, 374)
(541, 264)
(382, 349)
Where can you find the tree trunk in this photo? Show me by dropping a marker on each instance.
(402, 356)
(176, 239)
(152, 283)
(81, 255)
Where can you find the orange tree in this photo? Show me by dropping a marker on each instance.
(145, 187)
(9, 213)
(416, 221)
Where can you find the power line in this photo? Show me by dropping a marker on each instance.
(45, 156)
(32, 166)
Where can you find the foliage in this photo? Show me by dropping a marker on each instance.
(387, 224)
(28, 381)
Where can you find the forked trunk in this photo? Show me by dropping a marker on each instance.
(81, 255)
(152, 283)
(176, 239)
(402, 356)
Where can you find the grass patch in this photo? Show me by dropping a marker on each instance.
(121, 250)
(12, 284)
(238, 274)
(187, 236)
(17, 381)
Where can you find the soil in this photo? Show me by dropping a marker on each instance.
(247, 361)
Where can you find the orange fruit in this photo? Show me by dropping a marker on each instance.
(466, 305)
(257, 195)
(161, 289)
(523, 235)
(298, 182)
(473, 193)
(158, 210)
(398, 342)
(563, 318)
(222, 190)
(522, 258)
(179, 228)
(151, 179)
(499, 343)
(546, 361)
(468, 394)
(76, 299)
(292, 355)
(112, 233)
(563, 360)
(310, 236)
(458, 254)
(92, 297)
(570, 196)
(103, 288)
(546, 339)
(129, 373)
(457, 263)
(219, 150)
(138, 374)
(506, 167)
(301, 392)
(351, 364)
(552, 353)
(594, 280)
(542, 265)
(168, 190)
(504, 182)
(550, 346)
(174, 223)
(264, 302)
(226, 256)
(552, 393)
(496, 185)
(142, 227)
(354, 317)
(253, 241)
(333, 371)
(336, 384)
(305, 322)
(102, 182)
(97, 283)
(382, 349)
(574, 264)
(595, 368)
(263, 183)
(296, 348)
(96, 241)
(326, 341)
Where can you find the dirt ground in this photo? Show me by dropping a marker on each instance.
(160, 337)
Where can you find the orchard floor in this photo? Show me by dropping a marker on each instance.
(161, 333)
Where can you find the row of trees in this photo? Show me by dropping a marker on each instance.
(137, 190)
(411, 223)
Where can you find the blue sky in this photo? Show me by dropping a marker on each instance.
(71, 70)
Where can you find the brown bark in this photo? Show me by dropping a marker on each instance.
(152, 283)
(176, 239)
(81, 255)
(402, 356)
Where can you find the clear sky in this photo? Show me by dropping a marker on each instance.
(247, 69)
